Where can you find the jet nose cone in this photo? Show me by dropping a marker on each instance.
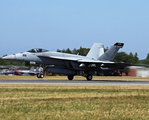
(9, 57)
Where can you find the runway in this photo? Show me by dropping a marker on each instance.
(76, 82)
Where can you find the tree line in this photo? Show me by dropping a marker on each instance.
(120, 56)
(4, 62)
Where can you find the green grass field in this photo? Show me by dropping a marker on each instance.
(54, 102)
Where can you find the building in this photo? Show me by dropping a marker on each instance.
(137, 71)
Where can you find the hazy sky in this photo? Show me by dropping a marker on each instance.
(62, 24)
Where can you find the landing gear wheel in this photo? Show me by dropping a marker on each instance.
(70, 77)
(89, 77)
(40, 75)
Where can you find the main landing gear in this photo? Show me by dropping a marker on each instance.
(88, 77)
(70, 77)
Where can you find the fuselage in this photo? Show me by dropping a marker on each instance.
(34, 57)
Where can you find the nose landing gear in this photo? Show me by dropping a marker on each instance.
(40, 75)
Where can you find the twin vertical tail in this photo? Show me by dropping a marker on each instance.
(96, 51)
(110, 54)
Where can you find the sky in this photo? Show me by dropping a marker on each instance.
(62, 24)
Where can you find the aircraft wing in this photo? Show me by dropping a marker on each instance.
(60, 58)
(103, 63)
(88, 64)
(77, 60)
(95, 61)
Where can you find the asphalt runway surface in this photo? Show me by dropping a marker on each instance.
(76, 82)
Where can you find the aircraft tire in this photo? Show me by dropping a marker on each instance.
(40, 75)
(89, 77)
(70, 77)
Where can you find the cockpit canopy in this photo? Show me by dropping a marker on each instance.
(37, 50)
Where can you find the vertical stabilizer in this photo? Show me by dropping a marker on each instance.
(96, 51)
(32, 69)
(110, 54)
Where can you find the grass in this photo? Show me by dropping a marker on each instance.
(31, 102)
(75, 78)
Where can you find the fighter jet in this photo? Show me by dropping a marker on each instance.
(14, 71)
(70, 64)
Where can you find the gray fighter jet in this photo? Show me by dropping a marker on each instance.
(14, 71)
(69, 64)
